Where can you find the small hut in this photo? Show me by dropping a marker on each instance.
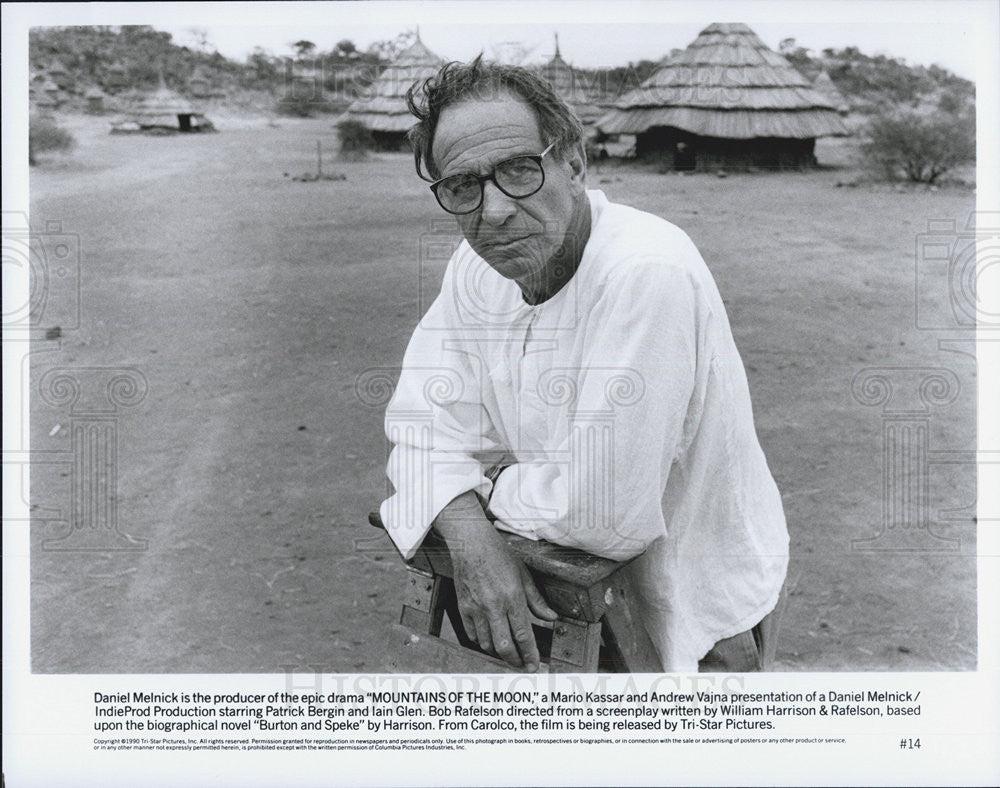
(824, 85)
(41, 102)
(569, 84)
(115, 78)
(383, 109)
(163, 112)
(727, 101)
(95, 101)
(50, 90)
(57, 73)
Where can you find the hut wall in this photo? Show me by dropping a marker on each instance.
(681, 150)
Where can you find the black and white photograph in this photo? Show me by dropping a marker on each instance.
(570, 349)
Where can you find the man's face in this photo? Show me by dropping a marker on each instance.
(517, 237)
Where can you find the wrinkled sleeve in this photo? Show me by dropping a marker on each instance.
(627, 404)
(439, 429)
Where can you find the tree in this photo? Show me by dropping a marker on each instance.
(922, 147)
(303, 49)
(263, 65)
(346, 49)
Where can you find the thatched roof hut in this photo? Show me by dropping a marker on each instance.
(95, 101)
(57, 73)
(382, 110)
(725, 101)
(50, 89)
(163, 111)
(115, 78)
(570, 85)
(43, 101)
(824, 85)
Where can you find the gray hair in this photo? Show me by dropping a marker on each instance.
(484, 81)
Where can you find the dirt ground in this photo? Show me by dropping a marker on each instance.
(250, 304)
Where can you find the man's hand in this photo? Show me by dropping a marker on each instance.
(495, 590)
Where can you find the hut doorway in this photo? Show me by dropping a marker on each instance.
(184, 121)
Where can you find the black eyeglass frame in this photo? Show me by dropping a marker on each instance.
(491, 176)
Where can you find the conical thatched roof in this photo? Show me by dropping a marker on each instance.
(569, 84)
(163, 101)
(162, 109)
(383, 108)
(726, 84)
(825, 86)
(57, 69)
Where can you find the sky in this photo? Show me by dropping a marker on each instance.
(602, 44)
(591, 34)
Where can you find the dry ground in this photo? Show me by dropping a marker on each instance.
(251, 304)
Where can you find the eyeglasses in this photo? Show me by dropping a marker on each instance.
(518, 177)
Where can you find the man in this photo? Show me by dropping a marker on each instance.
(576, 380)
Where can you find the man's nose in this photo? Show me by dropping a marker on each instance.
(497, 206)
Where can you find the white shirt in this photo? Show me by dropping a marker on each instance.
(622, 408)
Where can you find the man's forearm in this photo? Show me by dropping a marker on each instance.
(461, 520)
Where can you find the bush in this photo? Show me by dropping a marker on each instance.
(355, 139)
(44, 135)
(921, 147)
(303, 103)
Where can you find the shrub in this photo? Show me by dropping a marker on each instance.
(355, 139)
(303, 103)
(44, 135)
(920, 146)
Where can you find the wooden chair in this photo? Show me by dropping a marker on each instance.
(597, 629)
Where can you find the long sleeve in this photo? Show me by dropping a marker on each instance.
(630, 406)
(439, 429)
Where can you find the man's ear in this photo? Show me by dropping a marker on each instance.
(578, 165)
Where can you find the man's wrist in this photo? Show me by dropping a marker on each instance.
(462, 516)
